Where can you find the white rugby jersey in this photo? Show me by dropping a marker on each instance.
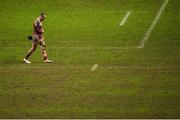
(37, 23)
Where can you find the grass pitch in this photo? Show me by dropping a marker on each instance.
(128, 82)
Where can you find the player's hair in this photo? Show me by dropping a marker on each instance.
(43, 14)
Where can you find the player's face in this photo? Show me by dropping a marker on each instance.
(42, 18)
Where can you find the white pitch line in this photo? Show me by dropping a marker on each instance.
(149, 31)
(94, 67)
(125, 18)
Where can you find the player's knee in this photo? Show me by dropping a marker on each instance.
(43, 46)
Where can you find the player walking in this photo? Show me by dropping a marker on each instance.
(38, 38)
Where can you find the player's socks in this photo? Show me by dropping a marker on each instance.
(48, 61)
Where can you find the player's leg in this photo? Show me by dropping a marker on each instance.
(32, 49)
(43, 52)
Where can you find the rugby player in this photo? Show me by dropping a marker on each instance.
(38, 38)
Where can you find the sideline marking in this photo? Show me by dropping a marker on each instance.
(125, 18)
(149, 31)
(94, 67)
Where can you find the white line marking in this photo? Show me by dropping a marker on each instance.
(94, 67)
(125, 18)
(149, 31)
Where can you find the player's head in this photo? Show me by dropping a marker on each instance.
(42, 16)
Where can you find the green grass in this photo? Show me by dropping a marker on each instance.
(129, 83)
